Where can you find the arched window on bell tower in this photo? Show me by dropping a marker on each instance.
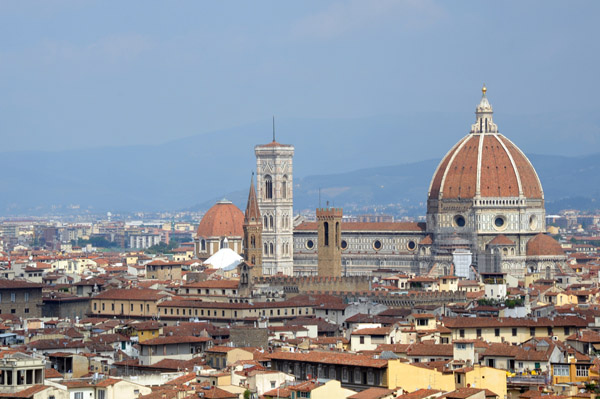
(252, 241)
(268, 187)
(284, 187)
(326, 233)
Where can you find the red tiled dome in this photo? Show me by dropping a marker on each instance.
(222, 220)
(504, 171)
(543, 245)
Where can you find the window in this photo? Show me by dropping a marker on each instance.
(370, 377)
(284, 187)
(478, 331)
(461, 333)
(112, 306)
(567, 331)
(344, 375)
(13, 297)
(326, 233)
(461, 346)
(357, 376)
(272, 384)
(549, 331)
(27, 297)
(268, 187)
(78, 395)
(532, 331)
(26, 310)
(362, 339)
(95, 306)
(561, 370)
(582, 371)
(497, 332)
(101, 394)
(514, 332)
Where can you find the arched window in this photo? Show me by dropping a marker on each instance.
(337, 233)
(253, 260)
(252, 242)
(266, 221)
(284, 187)
(203, 245)
(271, 248)
(326, 232)
(266, 249)
(271, 221)
(268, 187)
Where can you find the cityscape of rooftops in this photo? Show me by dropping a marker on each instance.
(319, 199)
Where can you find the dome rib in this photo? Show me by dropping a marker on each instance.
(449, 167)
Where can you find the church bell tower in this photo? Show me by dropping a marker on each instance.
(275, 194)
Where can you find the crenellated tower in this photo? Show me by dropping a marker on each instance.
(329, 247)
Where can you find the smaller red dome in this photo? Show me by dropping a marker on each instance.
(543, 245)
(222, 220)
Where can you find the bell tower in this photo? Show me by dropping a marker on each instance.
(252, 229)
(329, 247)
(275, 195)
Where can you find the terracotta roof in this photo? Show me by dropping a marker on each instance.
(471, 322)
(222, 220)
(372, 393)
(224, 284)
(372, 331)
(427, 240)
(485, 161)
(135, 294)
(501, 239)
(346, 359)
(420, 394)
(273, 144)
(14, 284)
(174, 340)
(26, 393)
(544, 245)
(369, 226)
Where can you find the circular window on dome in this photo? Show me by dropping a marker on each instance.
(411, 245)
(459, 221)
(377, 245)
(533, 222)
(344, 244)
(500, 222)
(310, 244)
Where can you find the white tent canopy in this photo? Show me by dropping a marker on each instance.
(225, 259)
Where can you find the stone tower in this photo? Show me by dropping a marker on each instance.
(253, 229)
(275, 190)
(329, 242)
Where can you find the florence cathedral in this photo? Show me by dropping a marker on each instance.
(485, 215)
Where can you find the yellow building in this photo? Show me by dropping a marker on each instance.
(411, 377)
(146, 330)
(133, 303)
(220, 357)
(571, 372)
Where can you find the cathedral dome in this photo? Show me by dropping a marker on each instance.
(222, 220)
(485, 164)
(544, 245)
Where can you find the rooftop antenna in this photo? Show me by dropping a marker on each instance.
(319, 197)
(273, 128)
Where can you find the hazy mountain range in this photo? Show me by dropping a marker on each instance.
(342, 158)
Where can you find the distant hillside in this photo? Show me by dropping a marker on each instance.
(341, 157)
(567, 182)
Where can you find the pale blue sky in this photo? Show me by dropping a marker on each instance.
(79, 74)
